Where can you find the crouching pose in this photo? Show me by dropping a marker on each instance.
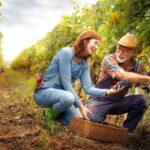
(121, 69)
(70, 63)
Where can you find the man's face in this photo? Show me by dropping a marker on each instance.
(124, 53)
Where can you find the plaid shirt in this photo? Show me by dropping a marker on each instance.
(111, 66)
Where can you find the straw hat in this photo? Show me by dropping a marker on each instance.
(128, 40)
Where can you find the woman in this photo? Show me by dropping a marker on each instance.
(70, 63)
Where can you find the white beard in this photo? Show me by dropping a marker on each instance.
(123, 59)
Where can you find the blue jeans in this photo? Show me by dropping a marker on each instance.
(60, 101)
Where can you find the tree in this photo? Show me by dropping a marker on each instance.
(111, 18)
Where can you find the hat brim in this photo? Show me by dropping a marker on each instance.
(114, 40)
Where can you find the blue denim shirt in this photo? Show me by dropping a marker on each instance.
(64, 70)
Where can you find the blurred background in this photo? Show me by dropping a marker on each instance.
(32, 31)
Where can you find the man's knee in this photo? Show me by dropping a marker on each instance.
(140, 102)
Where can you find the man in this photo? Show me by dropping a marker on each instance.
(120, 69)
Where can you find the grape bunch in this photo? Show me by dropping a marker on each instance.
(124, 83)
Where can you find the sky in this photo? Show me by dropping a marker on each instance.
(24, 22)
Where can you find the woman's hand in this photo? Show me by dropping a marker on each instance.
(84, 111)
(118, 88)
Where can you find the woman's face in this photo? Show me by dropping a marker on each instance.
(92, 46)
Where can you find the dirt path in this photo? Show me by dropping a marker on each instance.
(22, 127)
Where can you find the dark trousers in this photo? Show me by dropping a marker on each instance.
(133, 105)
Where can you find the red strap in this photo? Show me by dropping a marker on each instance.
(39, 80)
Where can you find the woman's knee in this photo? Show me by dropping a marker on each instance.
(69, 97)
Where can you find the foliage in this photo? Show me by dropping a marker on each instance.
(111, 18)
(1, 57)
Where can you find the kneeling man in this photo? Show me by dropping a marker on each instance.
(121, 69)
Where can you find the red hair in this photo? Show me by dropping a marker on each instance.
(81, 43)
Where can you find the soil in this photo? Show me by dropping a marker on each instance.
(22, 127)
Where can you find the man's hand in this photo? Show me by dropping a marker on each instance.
(84, 111)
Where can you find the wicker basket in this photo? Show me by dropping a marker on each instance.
(101, 132)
